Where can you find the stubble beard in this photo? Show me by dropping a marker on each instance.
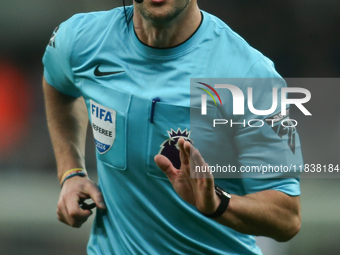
(166, 15)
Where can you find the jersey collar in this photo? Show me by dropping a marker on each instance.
(172, 52)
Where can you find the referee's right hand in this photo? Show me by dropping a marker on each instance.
(75, 190)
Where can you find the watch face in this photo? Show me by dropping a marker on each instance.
(226, 194)
(221, 192)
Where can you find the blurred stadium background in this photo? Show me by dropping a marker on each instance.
(301, 37)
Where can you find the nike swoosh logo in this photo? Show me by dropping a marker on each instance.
(99, 73)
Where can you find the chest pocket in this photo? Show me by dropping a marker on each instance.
(170, 122)
(108, 111)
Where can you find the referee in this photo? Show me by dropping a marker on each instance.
(128, 71)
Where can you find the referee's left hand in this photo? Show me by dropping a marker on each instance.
(198, 191)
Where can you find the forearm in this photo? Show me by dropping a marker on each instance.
(268, 213)
(67, 123)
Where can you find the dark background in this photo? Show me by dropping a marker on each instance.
(301, 37)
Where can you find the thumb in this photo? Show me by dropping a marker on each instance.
(96, 195)
(166, 166)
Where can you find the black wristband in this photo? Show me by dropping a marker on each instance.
(225, 198)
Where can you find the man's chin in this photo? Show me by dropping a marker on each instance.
(162, 12)
(160, 16)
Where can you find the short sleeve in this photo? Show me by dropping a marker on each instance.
(275, 146)
(57, 59)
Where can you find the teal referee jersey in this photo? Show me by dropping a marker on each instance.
(138, 101)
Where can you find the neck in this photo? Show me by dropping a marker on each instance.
(171, 34)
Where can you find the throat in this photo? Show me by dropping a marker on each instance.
(162, 38)
(165, 36)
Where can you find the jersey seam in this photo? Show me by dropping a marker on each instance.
(71, 51)
(236, 36)
(251, 67)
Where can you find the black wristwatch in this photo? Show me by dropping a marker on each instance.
(225, 198)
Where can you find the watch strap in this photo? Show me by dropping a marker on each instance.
(225, 198)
